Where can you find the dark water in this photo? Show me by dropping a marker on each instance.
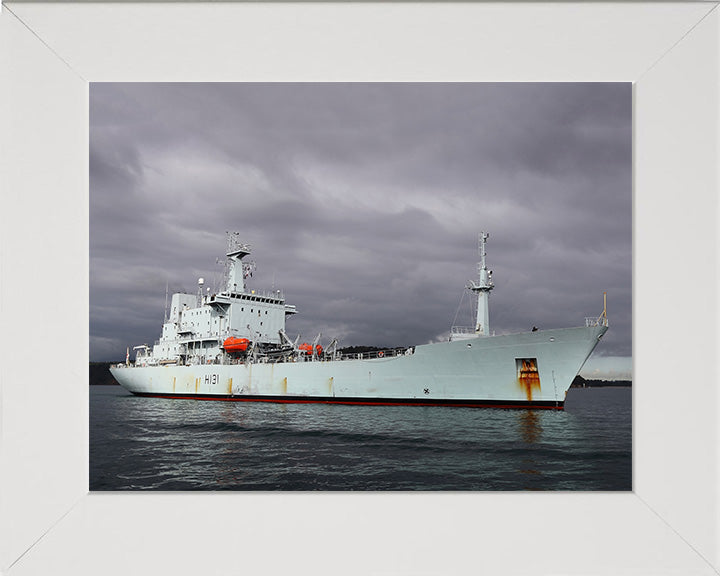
(161, 444)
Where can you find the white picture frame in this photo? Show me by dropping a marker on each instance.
(49, 523)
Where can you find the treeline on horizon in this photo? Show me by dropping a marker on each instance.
(100, 372)
(580, 382)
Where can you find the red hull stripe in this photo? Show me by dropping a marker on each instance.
(366, 401)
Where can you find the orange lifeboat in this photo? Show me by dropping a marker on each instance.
(234, 344)
(308, 349)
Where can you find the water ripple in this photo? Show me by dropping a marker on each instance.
(162, 444)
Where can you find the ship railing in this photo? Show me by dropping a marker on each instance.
(277, 294)
(463, 330)
(273, 294)
(389, 353)
(199, 337)
(375, 354)
(596, 321)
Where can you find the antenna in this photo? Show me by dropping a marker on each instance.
(166, 300)
(234, 244)
(483, 273)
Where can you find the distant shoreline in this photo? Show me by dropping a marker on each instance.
(580, 382)
(100, 376)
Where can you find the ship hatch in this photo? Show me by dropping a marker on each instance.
(528, 376)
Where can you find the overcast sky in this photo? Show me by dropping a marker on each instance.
(363, 202)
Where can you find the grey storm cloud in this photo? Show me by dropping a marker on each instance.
(363, 202)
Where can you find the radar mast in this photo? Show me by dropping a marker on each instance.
(236, 251)
(482, 287)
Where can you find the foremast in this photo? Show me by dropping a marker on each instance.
(482, 288)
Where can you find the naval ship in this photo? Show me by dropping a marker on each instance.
(232, 345)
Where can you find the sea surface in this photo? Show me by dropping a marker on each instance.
(168, 444)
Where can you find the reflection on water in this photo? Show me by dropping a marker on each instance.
(530, 430)
(530, 427)
(163, 444)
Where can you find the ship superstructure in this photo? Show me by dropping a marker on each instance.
(199, 325)
(232, 345)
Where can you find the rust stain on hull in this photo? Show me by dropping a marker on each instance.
(528, 376)
(230, 386)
